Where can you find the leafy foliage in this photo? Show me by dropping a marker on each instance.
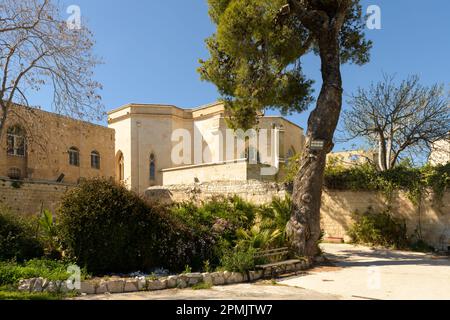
(107, 228)
(379, 229)
(255, 56)
(18, 238)
(239, 259)
(365, 177)
(12, 272)
(48, 234)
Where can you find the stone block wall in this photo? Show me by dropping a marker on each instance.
(254, 191)
(432, 221)
(28, 198)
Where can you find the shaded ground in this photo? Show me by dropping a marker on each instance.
(352, 272)
(363, 273)
(257, 291)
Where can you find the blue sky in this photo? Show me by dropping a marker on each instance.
(151, 48)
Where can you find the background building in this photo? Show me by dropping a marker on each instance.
(440, 153)
(40, 146)
(144, 146)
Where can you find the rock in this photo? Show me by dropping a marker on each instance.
(172, 282)
(87, 287)
(25, 285)
(226, 275)
(37, 286)
(153, 285)
(255, 275)
(115, 286)
(52, 287)
(62, 286)
(207, 278)
(131, 286)
(218, 278)
(45, 283)
(181, 283)
(236, 277)
(142, 284)
(193, 278)
(102, 287)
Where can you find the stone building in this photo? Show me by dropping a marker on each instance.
(41, 146)
(150, 137)
(440, 153)
(352, 158)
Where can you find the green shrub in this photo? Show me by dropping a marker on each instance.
(381, 229)
(107, 229)
(239, 259)
(216, 221)
(18, 237)
(12, 272)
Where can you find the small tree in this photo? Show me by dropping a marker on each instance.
(398, 119)
(256, 64)
(38, 49)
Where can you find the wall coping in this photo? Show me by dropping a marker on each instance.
(44, 182)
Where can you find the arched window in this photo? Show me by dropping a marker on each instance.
(74, 157)
(252, 155)
(289, 155)
(95, 160)
(152, 168)
(15, 141)
(120, 167)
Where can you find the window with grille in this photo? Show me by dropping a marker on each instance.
(95, 160)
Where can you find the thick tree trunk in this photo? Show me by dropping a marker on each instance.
(303, 230)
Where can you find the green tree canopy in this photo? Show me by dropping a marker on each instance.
(255, 53)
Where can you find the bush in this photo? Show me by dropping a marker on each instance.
(239, 259)
(216, 221)
(18, 239)
(107, 228)
(12, 272)
(379, 229)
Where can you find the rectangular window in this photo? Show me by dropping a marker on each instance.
(95, 161)
(74, 158)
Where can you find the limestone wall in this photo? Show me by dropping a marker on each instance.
(254, 191)
(29, 198)
(433, 220)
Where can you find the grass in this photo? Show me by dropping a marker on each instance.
(16, 295)
(202, 286)
(11, 272)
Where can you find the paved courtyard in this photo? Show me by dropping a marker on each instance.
(354, 272)
(363, 273)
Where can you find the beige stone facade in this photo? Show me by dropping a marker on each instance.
(352, 158)
(40, 146)
(147, 135)
(440, 154)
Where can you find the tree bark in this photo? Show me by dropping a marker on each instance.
(303, 229)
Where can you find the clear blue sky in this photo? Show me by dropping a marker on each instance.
(151, 48)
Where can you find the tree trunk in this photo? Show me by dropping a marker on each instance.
(303, 230)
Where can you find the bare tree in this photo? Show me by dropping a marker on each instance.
(399, 118)
(37, 50)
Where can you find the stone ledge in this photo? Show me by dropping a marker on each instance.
(137, 284)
